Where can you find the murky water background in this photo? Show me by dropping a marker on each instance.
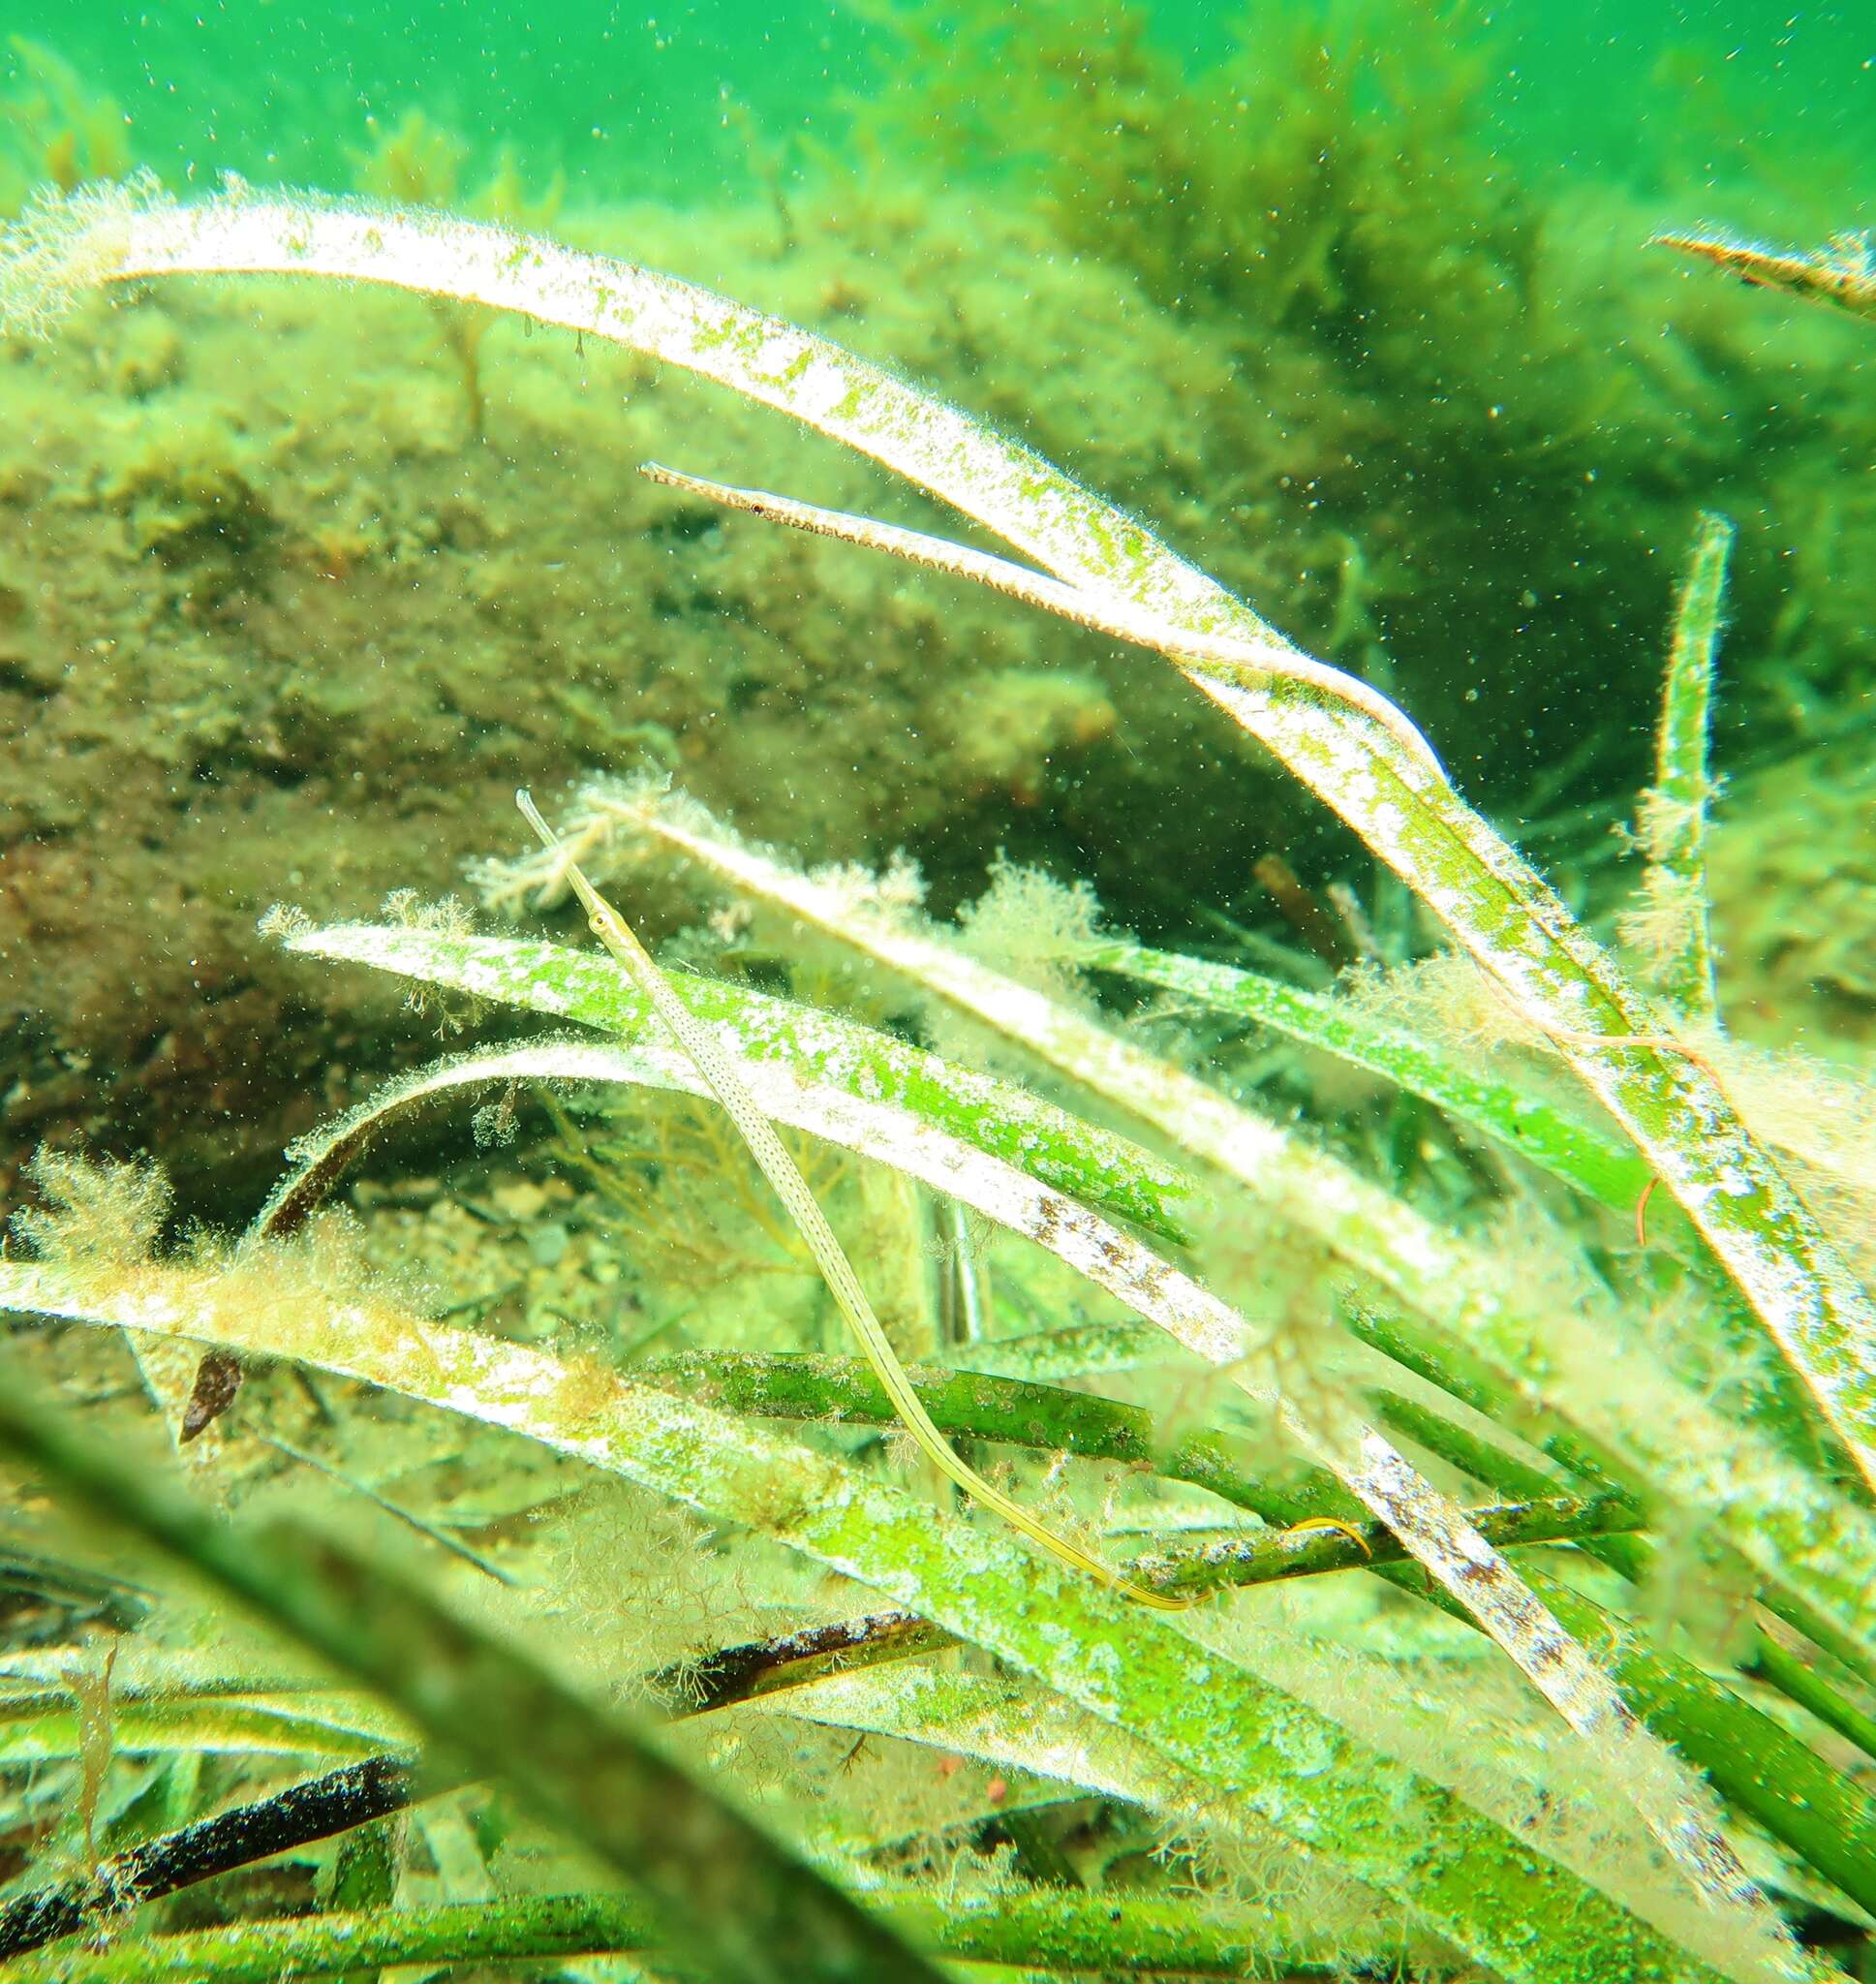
(633, 98)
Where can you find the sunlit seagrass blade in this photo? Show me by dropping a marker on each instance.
(1495, 906)
(1583, 1157)
(1238, 660)
(1669, 928)
(1840, 275)
(885, 1133)
(1432, 1528)
(1802, 1539)
(771, 1155)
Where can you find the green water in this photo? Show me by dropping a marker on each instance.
(627, 97)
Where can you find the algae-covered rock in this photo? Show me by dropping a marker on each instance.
(297, 584)
(1793, 876)
(281, 628)
(185, 489)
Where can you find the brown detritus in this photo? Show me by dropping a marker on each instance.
(742, 1673)
(313, 1810)
(588, 1388)
(218, 1382)
(1301, 910)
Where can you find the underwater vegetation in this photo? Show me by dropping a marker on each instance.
(1841, 274)
(330, 589)
(1443, 421)
(936, 1437)
(1455, 384)
(55, 128)
(1480, 1581)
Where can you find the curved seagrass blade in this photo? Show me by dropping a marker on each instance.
(1841, 274)
(1108, 1173)
(1251, 1740)
(1365, 768)
(728, 1895)
(1432, 1528)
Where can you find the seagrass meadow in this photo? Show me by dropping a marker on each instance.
(937, 977)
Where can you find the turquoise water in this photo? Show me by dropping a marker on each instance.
(635, 98)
